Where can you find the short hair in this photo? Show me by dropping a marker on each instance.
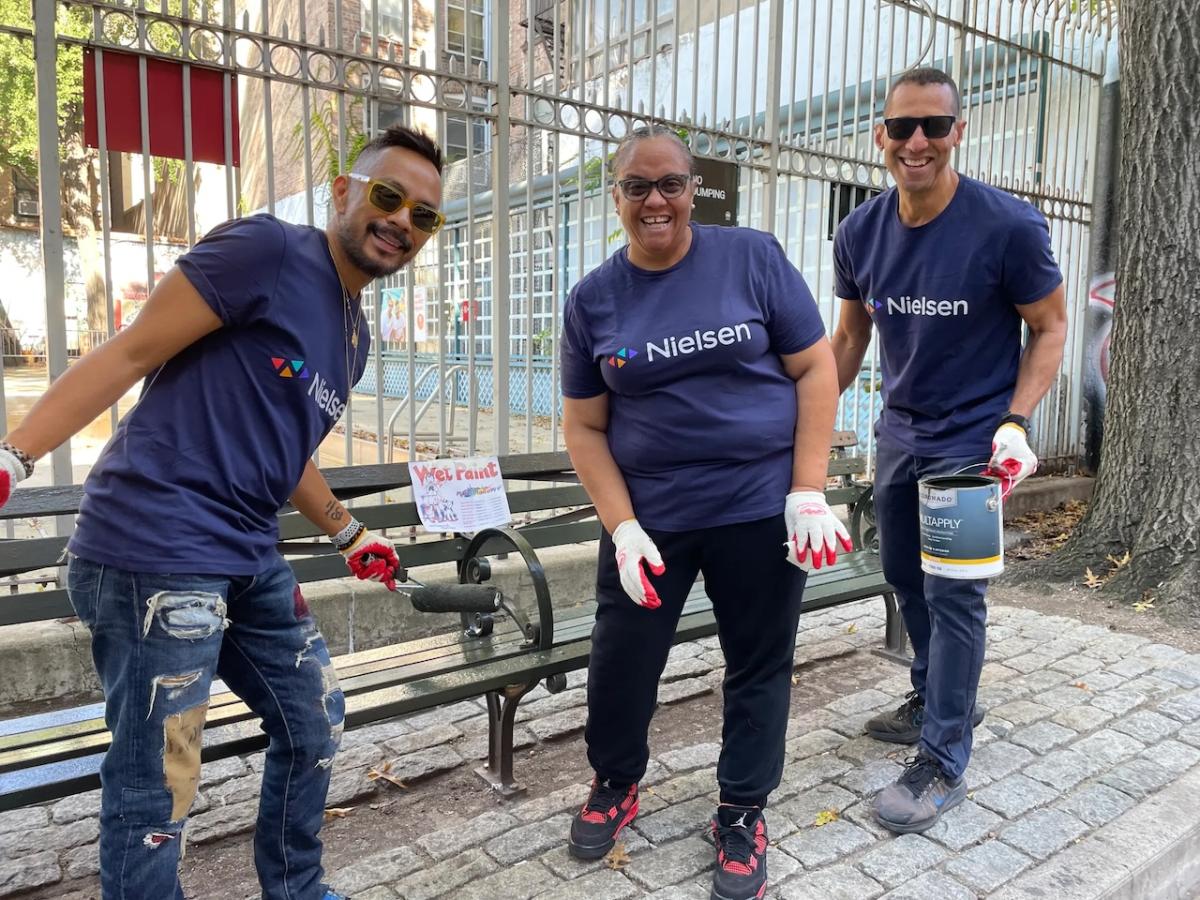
(645, 133)
(926, 75)
(400, 136)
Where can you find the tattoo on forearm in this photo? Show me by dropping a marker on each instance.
(333, 511)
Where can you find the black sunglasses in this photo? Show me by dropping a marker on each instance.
(670, 186)
(387, 199)
(902, 128)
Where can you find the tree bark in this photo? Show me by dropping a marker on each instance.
(1147, 496)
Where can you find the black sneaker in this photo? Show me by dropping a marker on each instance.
(608, 809)
(740, 834)
(917, 799)
(903, 725)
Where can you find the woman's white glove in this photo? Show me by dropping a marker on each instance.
(813, 531)
(633, 547)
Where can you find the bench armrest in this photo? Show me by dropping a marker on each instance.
(484, 542)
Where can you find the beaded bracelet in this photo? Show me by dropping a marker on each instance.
(348, 535)
(24, 458)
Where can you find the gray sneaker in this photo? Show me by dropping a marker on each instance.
(918, 798)
(903, 725)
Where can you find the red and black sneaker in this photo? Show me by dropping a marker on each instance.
(740, 833)
(608, 809)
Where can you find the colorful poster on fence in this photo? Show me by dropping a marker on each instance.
(460, 494)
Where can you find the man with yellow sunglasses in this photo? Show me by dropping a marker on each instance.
(249, 348)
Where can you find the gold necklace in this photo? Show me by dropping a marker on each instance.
(349, 329)
(351, 333)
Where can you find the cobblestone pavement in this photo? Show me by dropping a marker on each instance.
(1086, 730)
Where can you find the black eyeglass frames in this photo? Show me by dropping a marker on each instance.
(670, 186)
(901, 128)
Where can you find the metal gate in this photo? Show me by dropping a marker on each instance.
(528, 97)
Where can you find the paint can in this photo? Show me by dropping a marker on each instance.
(962, 526)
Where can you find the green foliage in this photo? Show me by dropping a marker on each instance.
(323, 131)
(18, 96)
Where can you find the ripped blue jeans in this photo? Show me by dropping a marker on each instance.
(157, 642)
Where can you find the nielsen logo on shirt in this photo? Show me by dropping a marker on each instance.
(921, 306)
(696, 341)
(326, 398)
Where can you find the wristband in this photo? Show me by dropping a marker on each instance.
(348, 535)
(1018, 420)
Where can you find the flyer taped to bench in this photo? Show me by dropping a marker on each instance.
(464, 495)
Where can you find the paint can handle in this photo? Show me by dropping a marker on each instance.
(1006, 486)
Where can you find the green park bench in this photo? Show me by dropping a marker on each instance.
(53, 755)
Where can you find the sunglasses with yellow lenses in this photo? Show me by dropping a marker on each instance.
(387, 199)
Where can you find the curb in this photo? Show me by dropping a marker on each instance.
(1151, 852)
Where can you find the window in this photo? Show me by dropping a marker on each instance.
(843, 200)
(456, 146)
(466, 28)
(605, 23)
(391, 18)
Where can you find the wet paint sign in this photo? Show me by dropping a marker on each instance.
(460, 494)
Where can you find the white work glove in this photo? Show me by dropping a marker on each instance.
(12, 471)
(633, 547)
(371, 557)
(813, 531)
(1011, 457)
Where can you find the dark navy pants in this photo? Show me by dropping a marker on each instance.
(756, 599)
(946, 618)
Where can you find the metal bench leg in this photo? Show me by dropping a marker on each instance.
(895, 634)
(502, 713)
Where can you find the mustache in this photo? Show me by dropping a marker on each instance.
(395, 235)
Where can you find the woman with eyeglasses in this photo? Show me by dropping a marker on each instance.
(699, 399)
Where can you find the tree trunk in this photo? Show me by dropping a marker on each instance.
(1147, 497)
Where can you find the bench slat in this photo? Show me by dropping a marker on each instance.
(849, 578)
(345, 481)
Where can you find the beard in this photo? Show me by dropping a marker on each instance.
(353, 247)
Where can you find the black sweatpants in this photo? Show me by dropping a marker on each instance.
(756, 599)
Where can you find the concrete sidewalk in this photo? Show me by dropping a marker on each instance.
(1083, 785)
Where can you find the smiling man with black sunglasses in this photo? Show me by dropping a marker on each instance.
(946, 269)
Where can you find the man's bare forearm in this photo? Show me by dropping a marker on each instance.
(1039, 369)
(314, 500)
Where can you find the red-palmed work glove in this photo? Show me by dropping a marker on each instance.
(634, 547)
(12, 471)
(372, 557)
(813, 531)
(1012, 460)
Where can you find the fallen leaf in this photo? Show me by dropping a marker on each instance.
(1121, 563)
(384, 772)
(1081, 685)
(617, 858)
(1092, 580)
(1143, 605)
(852, 629)
(795, 678)
(338, 812)
(825, 816)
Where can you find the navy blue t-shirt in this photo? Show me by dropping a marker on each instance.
(943, 297)
(702, 415)
(197, 471)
